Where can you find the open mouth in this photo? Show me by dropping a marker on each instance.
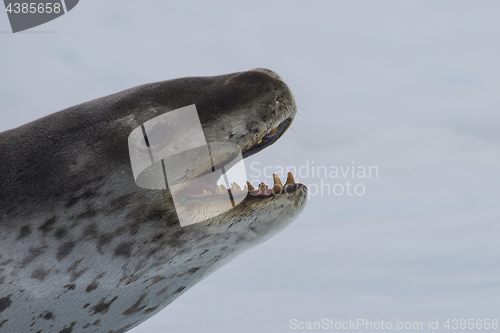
(202, 187)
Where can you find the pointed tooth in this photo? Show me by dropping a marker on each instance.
(277, 180)
(235, 187)
(250, 187)
(218, 190)
(245, 189)
(277, 183)
(262, 186)
(289, 179)
(274, 131)
(224, 189)
(205, 192)
(260, 140)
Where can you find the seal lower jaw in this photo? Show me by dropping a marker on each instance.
(213, 191)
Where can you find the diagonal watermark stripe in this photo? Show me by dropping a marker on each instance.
(166, 150)
(26, 14)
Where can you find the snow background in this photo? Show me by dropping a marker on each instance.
(410, 87)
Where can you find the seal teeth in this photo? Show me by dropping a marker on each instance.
(289, 179)
(260, 140)
(219, 190)
(223, 188)
(206, 192)
(235, 187)
(250, 187)
(277, 183)
(262, 186)
(274, 131)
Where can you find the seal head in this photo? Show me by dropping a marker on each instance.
(84, 249)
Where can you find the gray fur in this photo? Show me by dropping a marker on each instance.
(82, 247)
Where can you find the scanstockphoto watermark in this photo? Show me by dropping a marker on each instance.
(470, 324)
(336, 180)
(355, 324)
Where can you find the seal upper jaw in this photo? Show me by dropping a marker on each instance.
(269, 138)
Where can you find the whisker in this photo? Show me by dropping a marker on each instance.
(302, 108)
(296, 133)
(301, 115)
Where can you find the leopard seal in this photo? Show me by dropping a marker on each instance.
(83, 248)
